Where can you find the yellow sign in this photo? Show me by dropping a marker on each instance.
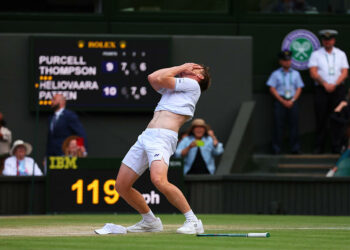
(102, 45)
(63, 162)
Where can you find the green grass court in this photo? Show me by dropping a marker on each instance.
(76, 232)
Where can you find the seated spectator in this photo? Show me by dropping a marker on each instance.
(340, 119)
(342, 167)
(73, 146)
(5, 137)
(19, 164)
(199, 148)
(5, 141)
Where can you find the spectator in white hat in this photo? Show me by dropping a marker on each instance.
(199, 149)
(19, 164)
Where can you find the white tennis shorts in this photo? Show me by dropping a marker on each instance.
(152, 145)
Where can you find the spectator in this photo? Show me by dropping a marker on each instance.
(285, 86)
(62, 123)
(19, 164)
(199, 148)
(342, 166)
(329, 68)
(5, 137)
(341, 118)
(73, 146)
(5, 141)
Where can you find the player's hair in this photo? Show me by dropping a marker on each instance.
(206, 81)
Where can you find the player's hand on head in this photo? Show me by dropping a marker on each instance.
(188, 68)
(188, 65)
(191, 66)
(189, 72)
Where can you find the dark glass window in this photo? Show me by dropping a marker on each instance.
(299, 6)
(59, 6)
(217, 6)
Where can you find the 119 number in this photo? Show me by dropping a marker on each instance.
(111, 197)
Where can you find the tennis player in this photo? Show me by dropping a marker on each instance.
(180, 87)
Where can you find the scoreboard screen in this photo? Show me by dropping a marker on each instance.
(76, 185)
(96, 73)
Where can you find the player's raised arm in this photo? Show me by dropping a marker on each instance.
(165, 78)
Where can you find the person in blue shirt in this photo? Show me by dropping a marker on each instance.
(285, 86)
(199, 149)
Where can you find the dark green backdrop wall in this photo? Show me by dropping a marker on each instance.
(266, 30)
(111, 134)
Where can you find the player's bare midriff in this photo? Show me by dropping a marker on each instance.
(168, 120)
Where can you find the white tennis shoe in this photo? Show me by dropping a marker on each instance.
(143, 226)
(191, 227)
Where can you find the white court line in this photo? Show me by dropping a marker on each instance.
(89, 231)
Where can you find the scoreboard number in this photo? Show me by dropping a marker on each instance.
(110, 91)
(111, 195)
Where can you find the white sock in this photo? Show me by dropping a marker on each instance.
(149, 217)
(190, 216)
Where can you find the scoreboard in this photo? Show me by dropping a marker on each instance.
(76, 185)
(96, 73)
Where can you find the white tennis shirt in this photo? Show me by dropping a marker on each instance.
(182, 100)
(329, 65)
